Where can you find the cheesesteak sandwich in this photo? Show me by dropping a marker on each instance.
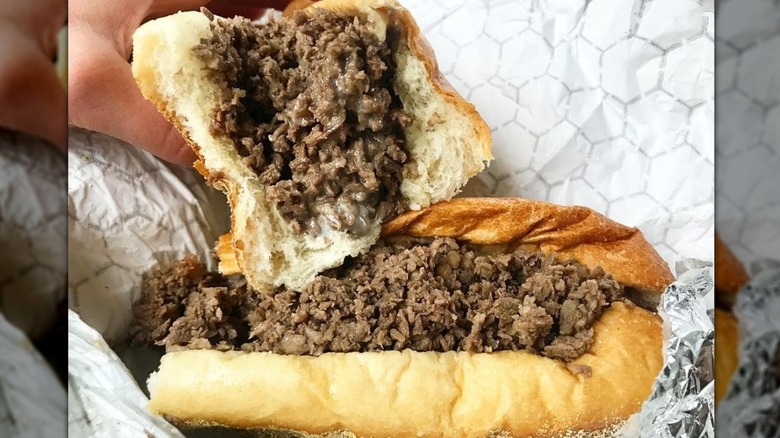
(319, 126)
(469, 317)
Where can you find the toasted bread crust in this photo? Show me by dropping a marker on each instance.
(577, 233)
(406, 394)
(297, 5)
(447, 394)
(730, 275)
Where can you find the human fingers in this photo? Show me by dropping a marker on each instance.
(102, 95)
(32, 99)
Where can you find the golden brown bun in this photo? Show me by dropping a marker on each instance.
(447, 394)
(577, 233)
(296, 5)
(730, 275)
(726, 358)
(405, 394)
(447, 140)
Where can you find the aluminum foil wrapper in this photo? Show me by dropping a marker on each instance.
(104, 399)
(682, 404)
(751, 408)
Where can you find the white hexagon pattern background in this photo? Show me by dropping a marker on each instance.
(748, 128)
(603, 104)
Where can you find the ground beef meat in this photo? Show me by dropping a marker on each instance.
(434, 295)
(309, 104)
(185, 305)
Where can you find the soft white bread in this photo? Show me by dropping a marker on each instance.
(449, 394)
(447, 139)
(404, 394)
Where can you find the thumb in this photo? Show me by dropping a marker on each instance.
(103, 97)
(32, 98)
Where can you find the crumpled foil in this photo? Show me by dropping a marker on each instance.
(751, 408)
(104, 399)
(683, 398)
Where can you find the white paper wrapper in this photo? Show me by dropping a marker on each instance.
(32, 230)
(105, 401)
(32, 400)
(128, 212)
(32, 282)
(592, 103)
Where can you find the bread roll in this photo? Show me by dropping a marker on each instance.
(453, 394)
(418, 394)
(447, 139)
(730, 275)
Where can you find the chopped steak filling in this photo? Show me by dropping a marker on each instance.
(436, 295)
(309, 104)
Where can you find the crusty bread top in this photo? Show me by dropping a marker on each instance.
(296, 5)
(430, 394)
(726, 358)
(730, 275)
(577, 233)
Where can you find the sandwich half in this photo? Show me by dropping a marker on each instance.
(319, 127)
(467, 318)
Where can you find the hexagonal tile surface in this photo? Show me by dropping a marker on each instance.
(667, 22)
(688, 84)
(762, 82)
(630, 68)
(735, 135)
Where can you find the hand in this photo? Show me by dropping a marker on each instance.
(32, 99)
(102, 95)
